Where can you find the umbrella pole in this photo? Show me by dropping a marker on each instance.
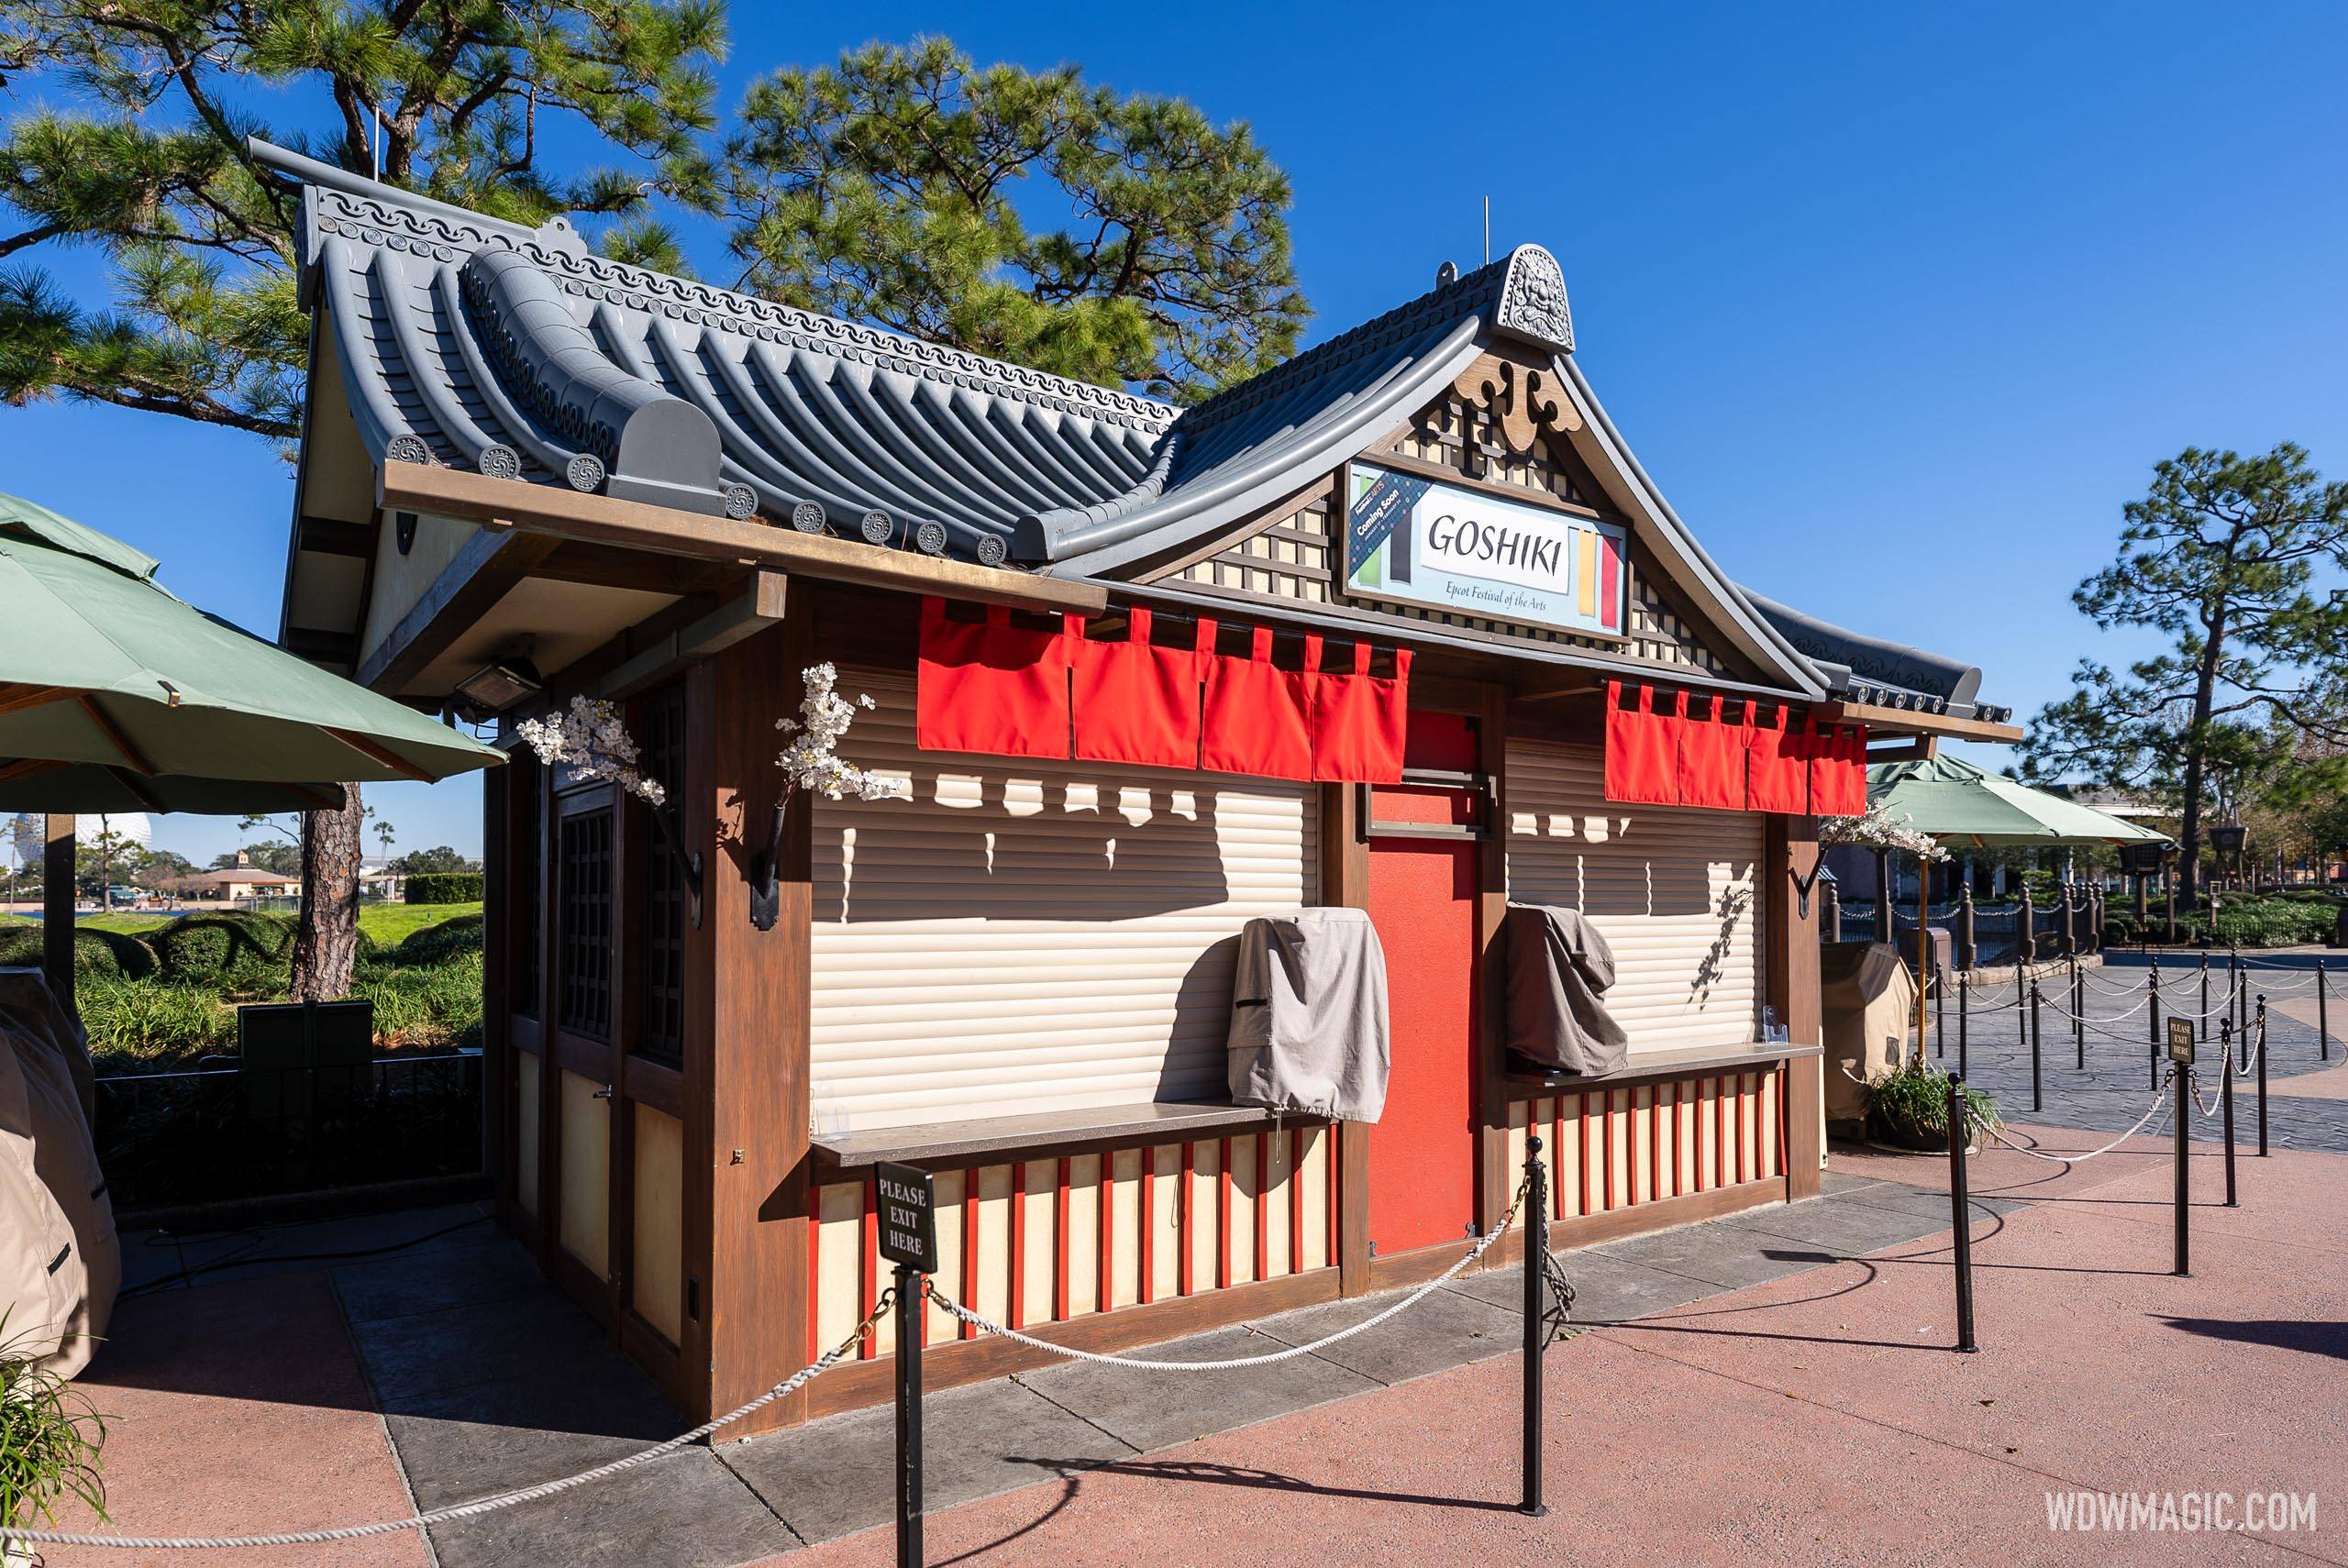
(57, 906)
(1923, 949)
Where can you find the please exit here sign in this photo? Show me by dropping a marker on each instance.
(908, 1225)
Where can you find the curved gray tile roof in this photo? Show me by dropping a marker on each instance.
(1877, 670)
(470, 341)
(473, 342)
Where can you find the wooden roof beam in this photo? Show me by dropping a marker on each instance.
(563, 514)
(1909, 722)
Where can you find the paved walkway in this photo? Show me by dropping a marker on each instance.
(1815, 1419)
(2114, 1089)
(1768, 1387)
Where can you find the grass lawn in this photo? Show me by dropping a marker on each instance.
(386, 924)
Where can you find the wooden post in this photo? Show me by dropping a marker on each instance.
(749, 1194)
(1791, 974)
(57, 906)
(1345, 881)
(496, 999)
(1883, 895)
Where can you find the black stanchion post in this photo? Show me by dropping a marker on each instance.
(1961, 1212)
(2262, 1077)
(1537, 1246)
(2240, 994)
(2181, 1071)
(2226, 1109)
(2201, 1024)
(2037, 1101)
(2152, 989)
(2079, 1012)
(2021, 987)
(906, 1205)
(2322, 1018)
(909, 1313)
(1964, 996)
(1939, 1013)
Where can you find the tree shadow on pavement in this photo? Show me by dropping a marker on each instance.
(2314, 1338)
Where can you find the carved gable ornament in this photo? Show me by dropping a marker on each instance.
(1523, 401)
(1533, 299)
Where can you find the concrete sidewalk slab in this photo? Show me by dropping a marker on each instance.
(680, 1512)
(1148, 1410)
(1607, 1289)
(462, 1443)
(981, 1441)
(1444, 1330)
(1724, 1253)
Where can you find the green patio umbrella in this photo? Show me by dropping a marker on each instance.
(100, 666)
(1959, 803)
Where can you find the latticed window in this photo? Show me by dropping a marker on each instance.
(660, 727)
(584, 977)
(528, 852)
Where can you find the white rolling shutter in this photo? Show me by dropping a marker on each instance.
(1672, 890)
(1025, 936)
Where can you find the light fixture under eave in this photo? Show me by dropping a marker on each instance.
(501, 684)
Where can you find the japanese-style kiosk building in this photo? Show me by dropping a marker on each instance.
(1401, 625)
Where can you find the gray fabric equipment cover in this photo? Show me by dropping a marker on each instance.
(59, 1260)
(1308, 1015)
(1558, 968)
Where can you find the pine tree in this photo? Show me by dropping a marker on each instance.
(146, 164)
(2222, 557)
(899, 187)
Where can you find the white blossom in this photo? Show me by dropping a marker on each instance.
(592, 739)
(1879, 830)
(812, 760)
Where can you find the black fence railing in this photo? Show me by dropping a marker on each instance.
(228, 1131)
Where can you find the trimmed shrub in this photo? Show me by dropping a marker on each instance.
(438, 943)
(95, 952)
(204, 946)
(444, 888)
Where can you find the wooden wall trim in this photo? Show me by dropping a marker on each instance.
(746, 1054)
(1790, 984)
(497, 789)
(1493, 1180)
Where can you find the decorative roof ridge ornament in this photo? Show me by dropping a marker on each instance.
(1524, 401)
(1533, 299)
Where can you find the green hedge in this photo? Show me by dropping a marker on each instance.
(444, 888)
(206, 947)
(451, 938)
(97, 953)
(2244, 922)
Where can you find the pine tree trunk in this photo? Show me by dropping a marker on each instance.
(326, 944)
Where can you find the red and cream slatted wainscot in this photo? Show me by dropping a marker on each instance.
(1017, 936)
(1673, 889)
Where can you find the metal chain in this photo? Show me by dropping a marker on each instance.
(2158, 1102)
(790, 1385)
(1231, 1363)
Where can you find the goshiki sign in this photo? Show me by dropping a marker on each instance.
(1421, 541)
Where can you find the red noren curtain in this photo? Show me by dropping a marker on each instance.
(1642, 750)
(1778, 763)
(1711, 759)
(1137, 704)
(1255, 718)
(1357, 720)
(989, 686)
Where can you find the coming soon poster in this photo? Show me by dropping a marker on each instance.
(1421, 541)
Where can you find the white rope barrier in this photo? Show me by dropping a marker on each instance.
(1231, 1363)
(791, 1385)
(2159, 1102)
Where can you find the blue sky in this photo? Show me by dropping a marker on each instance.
(1898, 304)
